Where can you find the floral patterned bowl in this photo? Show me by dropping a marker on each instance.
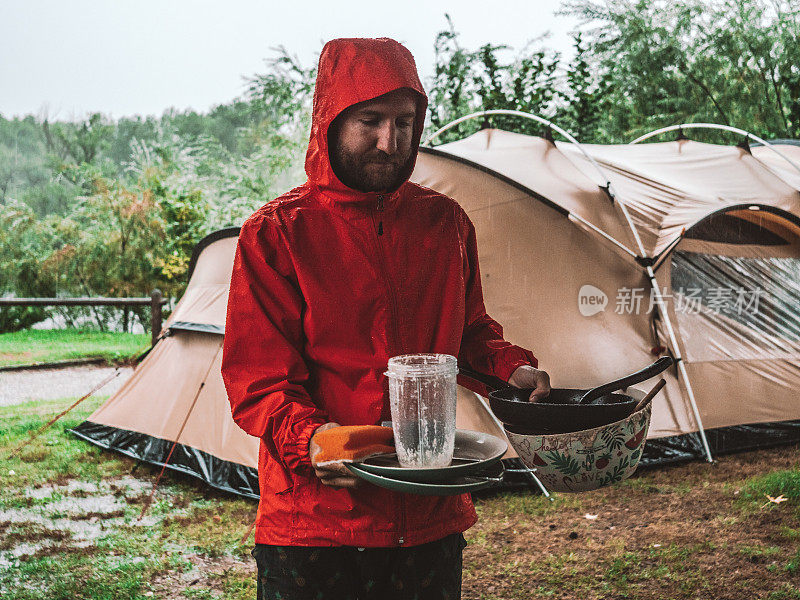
(589, 459)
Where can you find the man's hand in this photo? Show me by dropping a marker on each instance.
(527, 376)
(336, 474)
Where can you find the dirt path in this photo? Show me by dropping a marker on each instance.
(17, 387)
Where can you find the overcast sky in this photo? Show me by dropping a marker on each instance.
(121, 57)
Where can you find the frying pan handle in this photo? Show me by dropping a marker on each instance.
(661, 365)
(496, 479)
(493, 383)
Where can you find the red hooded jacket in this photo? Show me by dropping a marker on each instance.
(322, 296)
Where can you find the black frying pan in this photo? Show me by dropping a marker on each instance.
(562, 411)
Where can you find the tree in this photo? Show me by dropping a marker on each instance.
(586, 96)
(733, 62)
(466, 82)
(282, 95)
(450, 95)
(23, 241)
(82, 142)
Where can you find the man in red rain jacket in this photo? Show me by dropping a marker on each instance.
(331, 280)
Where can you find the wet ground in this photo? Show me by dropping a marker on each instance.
(17, 387)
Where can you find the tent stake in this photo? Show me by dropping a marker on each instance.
(52, 421)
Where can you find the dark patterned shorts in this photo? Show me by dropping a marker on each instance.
(427, 572)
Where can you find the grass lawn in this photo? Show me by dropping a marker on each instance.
(47, 345)
(69, 528)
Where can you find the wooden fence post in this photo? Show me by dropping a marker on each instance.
(155, 314)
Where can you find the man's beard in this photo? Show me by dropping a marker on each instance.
(373, 172)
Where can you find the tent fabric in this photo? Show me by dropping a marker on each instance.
(736, 308)
(778, 164)
(206, 296)
(536, 263)
(176, 395)
(541, 167)
(557, 287)
(670, 186)
(165, 399)
(722, 440)
(228, 476)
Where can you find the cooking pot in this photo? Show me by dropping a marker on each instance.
(563, 411)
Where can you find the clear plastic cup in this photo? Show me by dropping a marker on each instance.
(422, 398)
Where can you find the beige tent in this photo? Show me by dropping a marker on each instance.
(176, 393)
(564, 260)
(710, 231)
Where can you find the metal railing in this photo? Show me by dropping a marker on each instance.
(155, 301)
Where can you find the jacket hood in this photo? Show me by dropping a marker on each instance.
(353, 70)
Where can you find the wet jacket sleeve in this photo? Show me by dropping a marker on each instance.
(482, 345)
(262, 362)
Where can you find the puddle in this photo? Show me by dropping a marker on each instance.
(97, 505)
(81, 513)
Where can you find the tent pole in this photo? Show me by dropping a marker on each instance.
(681, 367)
(671, 332)
(603, 234)
(624, 208)
(573, 141)
(662, 306)
(747, 134)
(516, 113)
(673, 339)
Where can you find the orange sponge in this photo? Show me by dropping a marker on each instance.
(352, 443)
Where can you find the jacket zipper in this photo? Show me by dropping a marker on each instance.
(393, 304)
(380, 209)
(392, 298)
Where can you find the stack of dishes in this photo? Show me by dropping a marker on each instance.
(577, 440)
(476, 465)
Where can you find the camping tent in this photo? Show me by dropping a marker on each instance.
(176, 393)
(564, 263)
(709, 231)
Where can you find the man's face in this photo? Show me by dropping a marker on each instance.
(370, 142)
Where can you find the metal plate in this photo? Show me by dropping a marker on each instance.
(473, 452)
(450, 487)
